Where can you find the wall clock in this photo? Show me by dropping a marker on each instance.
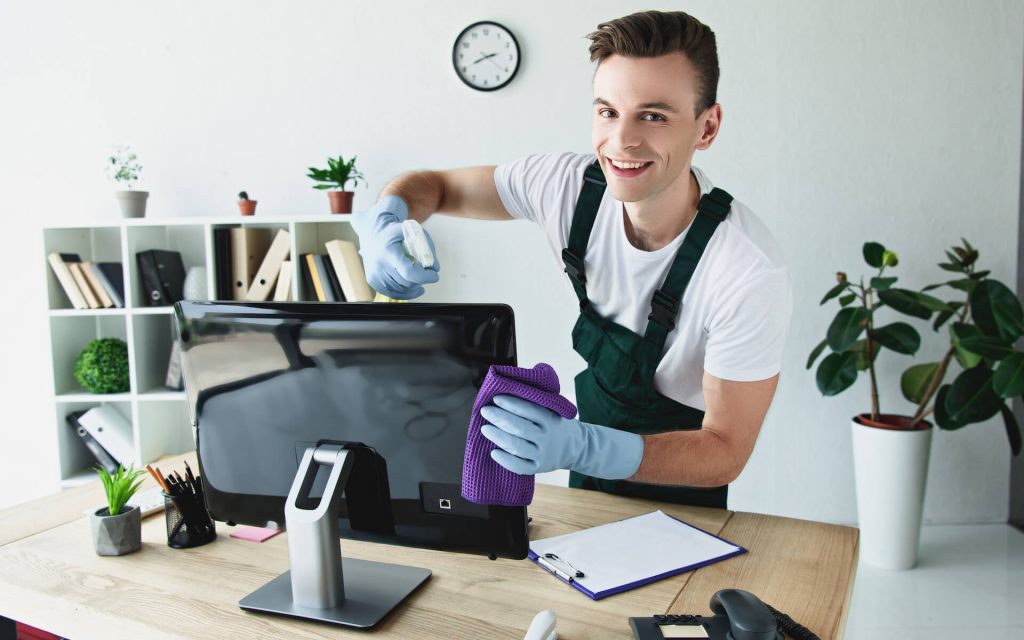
(486, 56)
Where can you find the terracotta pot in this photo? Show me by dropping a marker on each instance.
(341, 201)
(247, 207)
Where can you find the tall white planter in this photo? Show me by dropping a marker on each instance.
(891, 467)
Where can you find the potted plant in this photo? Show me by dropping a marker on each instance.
(102, 367)
(246, 206)
(334, 178)
(124, 169)
(117, 529)
(891, 451)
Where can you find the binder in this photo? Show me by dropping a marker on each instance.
(348, 266)
(282, 292)
(332, 276)
(173, 379)
(163, 276)
(89, 271)
(314, 276)
(111, 430)
(111, 276)
(67, 281)
(102, 455)
(248, 246)
(623, 555)
(308, 292)
(266, 276)
(222, 263)
(325, 281)
(83, 285)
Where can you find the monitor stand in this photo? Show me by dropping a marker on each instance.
(321, 585)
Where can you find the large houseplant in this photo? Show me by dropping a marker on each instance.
(891, 451)
(334, 178)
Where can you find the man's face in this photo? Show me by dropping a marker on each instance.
(643, 113)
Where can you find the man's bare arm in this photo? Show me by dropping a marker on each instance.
(716, 454)
(469, 193)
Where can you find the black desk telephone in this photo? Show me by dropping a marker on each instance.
(739, 615)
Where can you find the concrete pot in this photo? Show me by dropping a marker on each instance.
(890, 465)
(116, 535)
(132, 203)
(341, 201)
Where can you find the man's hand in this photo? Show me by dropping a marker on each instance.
(388, 270)
(533, 439)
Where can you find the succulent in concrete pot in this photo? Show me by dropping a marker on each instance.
(117, 528)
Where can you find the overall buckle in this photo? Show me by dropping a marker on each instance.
(663, 309)
(574, 266)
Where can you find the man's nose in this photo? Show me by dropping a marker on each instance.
(627, 135)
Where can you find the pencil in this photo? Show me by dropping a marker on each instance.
(159, 480)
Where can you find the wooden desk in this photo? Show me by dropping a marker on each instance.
(50, 577)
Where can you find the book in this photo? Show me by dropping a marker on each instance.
(111, 276)
(248, 246)
(89, 270)
(283, 290)
(173, 379)
(111, 430)
(349, 268)
(102, 456)
(314, 276)
(222, 263)
(332, 276)
(67, 281)
(325, 281)
(266, 275)
(83, 285)
(615, 557)
(308, 292)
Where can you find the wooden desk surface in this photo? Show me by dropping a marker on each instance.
(51, 578)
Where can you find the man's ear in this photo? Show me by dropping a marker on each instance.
(710, 122)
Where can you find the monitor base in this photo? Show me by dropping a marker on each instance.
(372, 590)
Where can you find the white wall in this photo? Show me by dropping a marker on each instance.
(844, 122)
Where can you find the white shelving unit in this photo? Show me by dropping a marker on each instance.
(159, 415)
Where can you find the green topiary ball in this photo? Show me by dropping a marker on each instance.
(102, 367)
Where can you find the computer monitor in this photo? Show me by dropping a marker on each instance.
(278, 391)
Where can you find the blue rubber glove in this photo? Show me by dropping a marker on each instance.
(533, 439)
(388, 270)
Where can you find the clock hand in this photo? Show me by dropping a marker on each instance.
(485, 57)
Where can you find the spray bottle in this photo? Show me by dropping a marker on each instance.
(417, 249)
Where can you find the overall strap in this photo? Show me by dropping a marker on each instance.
(582, 224)
(711, 210)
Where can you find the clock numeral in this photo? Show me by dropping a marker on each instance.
(485, 82)
(474, 76)
(463, 69)
(506, 69)
(510, 56)
(475, 35)
(465, 45)
(508, 44)
(487, 32)
(496, 78)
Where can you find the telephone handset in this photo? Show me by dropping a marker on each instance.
(739, 615)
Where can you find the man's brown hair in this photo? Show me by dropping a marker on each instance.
(650, 34)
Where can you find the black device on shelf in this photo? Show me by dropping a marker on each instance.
(163, 276)
(282, 395)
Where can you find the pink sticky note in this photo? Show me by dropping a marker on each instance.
(254, 534)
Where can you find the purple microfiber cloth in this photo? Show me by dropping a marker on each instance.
(484, 481)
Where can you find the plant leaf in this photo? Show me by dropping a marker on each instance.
(847, 326)
(898, 336)
(1009, 378)
(881, 284)
(847, 299)
(861, 349)
(996, 310)
(942, 417)
(873, 253)
(929, 302)
(941, 319)
(987, 347)
(959, 331)
(834, 291)
(816, 352)
(906, 302)
(971, 397)
(1012, 429)
(836, 372)
(915, 381)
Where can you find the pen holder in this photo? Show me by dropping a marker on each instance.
(188, 522)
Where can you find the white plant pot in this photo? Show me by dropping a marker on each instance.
(890, 467)
(132, 203)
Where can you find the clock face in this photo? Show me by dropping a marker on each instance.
(486, 56)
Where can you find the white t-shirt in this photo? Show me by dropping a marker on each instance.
(735, 311)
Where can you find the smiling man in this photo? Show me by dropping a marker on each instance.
(684, 295)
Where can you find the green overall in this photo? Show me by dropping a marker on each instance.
(617, 387)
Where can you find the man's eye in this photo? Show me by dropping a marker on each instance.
(606, 113)
(653, 117)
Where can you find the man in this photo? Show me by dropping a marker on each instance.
(684, 295)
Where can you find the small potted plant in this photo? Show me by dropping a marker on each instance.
(124, 169)
(246, 206)
(102, 367)
(891, 451)
(117, 529)
(334, 178)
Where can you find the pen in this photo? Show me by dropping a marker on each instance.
(577, 572)
(555, 570)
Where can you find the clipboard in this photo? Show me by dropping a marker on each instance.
(630, 553)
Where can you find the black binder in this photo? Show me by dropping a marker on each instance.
(332, 275)
(222, 261)
(96, 449)
(163, 276)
